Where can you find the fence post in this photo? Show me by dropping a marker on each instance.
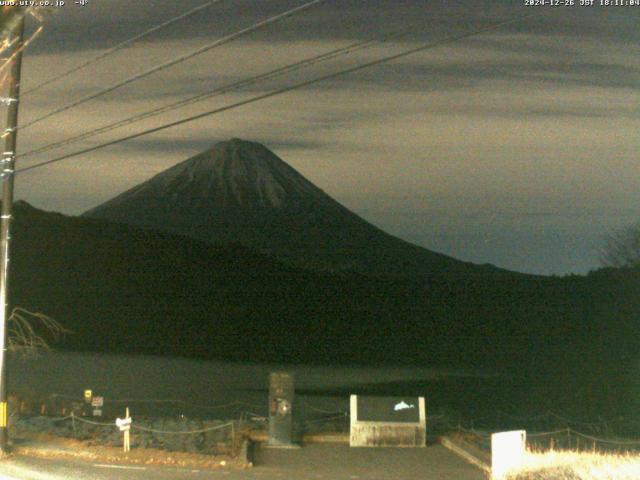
(73, 424)
(126, 432)
(551, 444)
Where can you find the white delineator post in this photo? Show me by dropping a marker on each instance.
(507, 452)
(127, 445)
(125, 426)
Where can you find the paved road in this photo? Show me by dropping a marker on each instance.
(337, 462)
(331, 462)
(29, 468)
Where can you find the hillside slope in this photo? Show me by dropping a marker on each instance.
(125, 289)
(122, 289)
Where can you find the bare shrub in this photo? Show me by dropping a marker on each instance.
(23, 331)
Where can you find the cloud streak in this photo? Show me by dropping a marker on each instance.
(541, 116)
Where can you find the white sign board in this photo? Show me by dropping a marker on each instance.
(123, 423)
(97, 402)
(388, 421)
(507, 452)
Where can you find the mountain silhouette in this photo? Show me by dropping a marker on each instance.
(118, 288)
(240, 191)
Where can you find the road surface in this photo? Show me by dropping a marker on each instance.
(330, 462)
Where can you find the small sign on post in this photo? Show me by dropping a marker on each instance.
(125, 426)
(97, 403)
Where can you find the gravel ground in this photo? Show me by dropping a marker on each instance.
(210, 437)
(312, 462)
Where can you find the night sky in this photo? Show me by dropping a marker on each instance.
(517, 147)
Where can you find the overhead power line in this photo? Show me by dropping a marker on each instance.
(278, 72)
(121, 45)
(306, 83)
(171, 63)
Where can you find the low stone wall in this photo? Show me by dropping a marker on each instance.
(364, 435)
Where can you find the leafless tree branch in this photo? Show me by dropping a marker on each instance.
(23, 328)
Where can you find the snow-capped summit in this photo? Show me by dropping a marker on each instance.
(240, 191)
(235, 173)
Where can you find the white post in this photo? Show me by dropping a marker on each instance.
(126, 432)
(124, 424)
(507, 452)
(423, 412)
(353, 400)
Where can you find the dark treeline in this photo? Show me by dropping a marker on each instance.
(556, 342)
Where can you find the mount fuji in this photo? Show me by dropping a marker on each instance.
(241, 192)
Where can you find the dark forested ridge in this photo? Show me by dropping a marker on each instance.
(121, 289)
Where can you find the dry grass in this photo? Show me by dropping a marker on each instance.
(570, 465)
(49, 446)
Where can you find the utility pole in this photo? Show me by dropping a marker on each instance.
(7, 170)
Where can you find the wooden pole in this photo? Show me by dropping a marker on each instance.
(7, 177)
